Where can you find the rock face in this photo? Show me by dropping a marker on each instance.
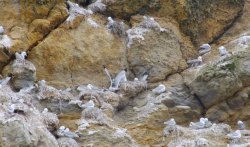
(194, 17)
(67, 46)
(158, 53)
(75, 56)
(34, 22)
(222, 79)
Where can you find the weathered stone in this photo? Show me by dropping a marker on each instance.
(159, 54)
(24, 74)
(220, 80)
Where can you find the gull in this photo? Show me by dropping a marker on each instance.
(45, 110)
(65, 132)
(234, 136)
(21, 56)
(1, 30)
(241, 125)
(120, 77)
(5, 81)
(204, 48)
(136, 79)
(198, 125)
(195, 62)
(223, 51)
(90, 87)
(90, 104)
(74, 102)
(160, 89)
(6, 41)
(171, 122)
(144, 77)
(116, 27)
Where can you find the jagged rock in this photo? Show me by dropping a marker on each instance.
(82, 56)
(221, 79)
(196, 18)
(35, 22)
(232, 109)
(23, 125)
(24, 74)
(51, 120)
(156, 52)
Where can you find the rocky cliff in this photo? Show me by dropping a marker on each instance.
(111, 72)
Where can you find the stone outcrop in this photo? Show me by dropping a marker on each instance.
(76, 57)
(222, 79)
(195, 18)
(23, 72)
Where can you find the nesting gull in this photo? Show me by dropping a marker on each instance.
(1, 30)
(203, 123)
(159, 89)
(171, 122)
(6, 41)
(21, 56)
(116, 27)
(204, 48)
(90, 104)
(223, 51)
(234, 136)
(170, 127)
(144, 77)
(195, 62)
(241, 125)
(120, 77)
(65, 132)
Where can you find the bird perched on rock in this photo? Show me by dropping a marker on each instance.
(195, 62)
(144, 77)
(234, 136)
(1, 30)
(6, 41)
(203, 123)
(170, 127)
(90, 104)
(120, 77)
(171, 122)
(150, 23)
(45, 110)
(223, 51)
(241, 125)
(22, 56)
(5, 81)
(204, 48)
(65, 132)
(160, 89)
(115, 27)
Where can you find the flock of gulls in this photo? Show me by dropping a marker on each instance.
(118, 28)
(203, 123)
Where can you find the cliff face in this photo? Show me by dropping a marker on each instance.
(69, 46)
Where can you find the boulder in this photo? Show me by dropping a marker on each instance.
(221, 79)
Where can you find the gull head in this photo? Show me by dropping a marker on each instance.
(200, 58)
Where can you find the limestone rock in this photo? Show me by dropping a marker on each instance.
(74, 59)
(195, 18)
(34, 22)
(158, 53)
(221, 79)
